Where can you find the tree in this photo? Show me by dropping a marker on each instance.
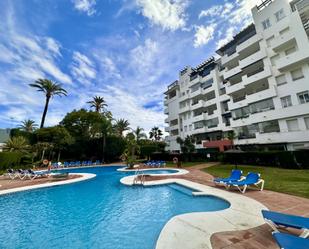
(231, 135)
(98, 103)
(139, 134)
(50, 89)
(131, 151)
(121, 126)
(186, 145)
(82, 124)
(58, 137)
(155, 134)
(18, 144)
(28, 125)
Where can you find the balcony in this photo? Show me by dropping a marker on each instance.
(167, 129)
(166, 120)
(166, 111)
(210, 102)
(199, 118)
(235, 88)
(211, 116)
(229, 73)
(251, 41)
(260, 74)
(235, 105)
(196, 93)
(293, 60)
(184, 97)
(187, 108)
(199, 130)
(283, 41)
(226, 59)
(197, 105)
(252, 58)
(266, 94)
(195, 80)
(174, 127)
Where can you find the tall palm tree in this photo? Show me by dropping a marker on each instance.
(139, 134)
(50, 89)
(28, 125)
(98, 103)
(155, 133)
(19, 144)
(121, 126)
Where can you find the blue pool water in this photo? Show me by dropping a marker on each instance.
(160, 171)
(99, 213)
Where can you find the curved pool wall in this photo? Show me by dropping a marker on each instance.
(98, 213)
(156, 171)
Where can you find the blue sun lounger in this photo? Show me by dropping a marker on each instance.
(235, 176)
(252, 179)
(288, 241)
(275, 219)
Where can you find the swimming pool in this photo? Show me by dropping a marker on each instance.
(99, 213)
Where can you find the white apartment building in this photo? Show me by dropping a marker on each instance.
(258, 87)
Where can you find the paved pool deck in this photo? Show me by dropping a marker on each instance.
(254, 238)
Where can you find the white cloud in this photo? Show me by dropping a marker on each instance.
(87, 6)
(82, 68)
(217, 10)
(228, 37)
(203, 35)
(53, 46)
(170, 14)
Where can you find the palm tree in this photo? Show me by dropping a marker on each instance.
(98, 103)
(28, 125)
(50, 89)
(19, 144)
(139, 134)
(155, 133)
(121, 126)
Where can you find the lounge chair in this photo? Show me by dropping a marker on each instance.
(32, 175)
(252, 179)
(275, 219)
(236, 175)
(12, 173)
(288, 241)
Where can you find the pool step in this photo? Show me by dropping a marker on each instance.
(181, 189)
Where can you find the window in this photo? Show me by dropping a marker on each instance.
(185, 128)
(297, 74)
(281, 79)
(290, 51)
(286, 101)
(292, 125)
(303, 97)
(266, 24)
(307, 122)
(279, 15)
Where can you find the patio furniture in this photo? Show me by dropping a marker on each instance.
(288, 241)
(236, 175)
(32, 174)
(252, 179)
(275, 219)
(12, 173)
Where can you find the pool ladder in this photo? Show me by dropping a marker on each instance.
(139, 177)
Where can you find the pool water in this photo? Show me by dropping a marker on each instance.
(159, 171)
(98, 213)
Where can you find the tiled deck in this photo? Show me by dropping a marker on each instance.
(256, 238)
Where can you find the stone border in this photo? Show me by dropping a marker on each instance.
(194, 230)
(84, 177)
(180, 171)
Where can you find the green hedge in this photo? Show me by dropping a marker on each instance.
(10, 159)
(281, 159)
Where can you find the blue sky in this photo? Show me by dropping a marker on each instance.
(127, 51)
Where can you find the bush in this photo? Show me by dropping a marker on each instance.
(10, 160)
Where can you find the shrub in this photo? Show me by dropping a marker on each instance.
(10, 160)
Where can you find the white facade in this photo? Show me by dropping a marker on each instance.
(259, 87)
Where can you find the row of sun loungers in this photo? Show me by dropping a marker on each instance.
(155, 163)
(26, 174)
(76, 164)
(284, 240)
(236, 179)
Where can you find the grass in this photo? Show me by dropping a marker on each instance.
(183, 164)
(294, 182)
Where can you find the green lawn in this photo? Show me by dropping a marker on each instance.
(183, 164)
(295, 182)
